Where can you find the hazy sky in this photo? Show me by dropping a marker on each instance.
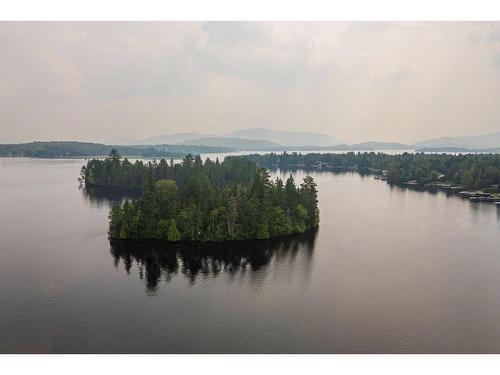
(357, 81)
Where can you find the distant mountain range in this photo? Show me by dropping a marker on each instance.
(267, 138)
(372, 146)
(260, 139)
(491, 140)
(170, 139)
(287, 138)
(236, 143)
(449, 150)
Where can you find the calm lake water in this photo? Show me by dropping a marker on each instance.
(390, 270)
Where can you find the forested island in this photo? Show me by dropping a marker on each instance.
(471, 171)
(203, 201)
(68, 149)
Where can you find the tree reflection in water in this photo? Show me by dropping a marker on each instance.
(100, 196)
(161, 260)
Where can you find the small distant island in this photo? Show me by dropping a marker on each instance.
(203, 201)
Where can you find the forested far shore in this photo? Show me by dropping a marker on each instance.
(472, 171)
(204, 201)
(69, 149)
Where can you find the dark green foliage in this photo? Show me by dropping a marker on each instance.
(473, 171)
(115, 220)
(67, 149)
(309, 198)
(173, 232)
(204, 201)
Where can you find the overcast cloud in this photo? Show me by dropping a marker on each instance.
(356, 81)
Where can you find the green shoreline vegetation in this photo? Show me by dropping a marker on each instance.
(471, 171)
(235, 199)
(203, 201)
(70, 149)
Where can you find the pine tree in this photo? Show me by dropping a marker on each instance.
(114, 221)
(309, 200)
(173, 232)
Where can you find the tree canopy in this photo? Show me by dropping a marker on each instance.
(473, 171)
(69, 149)
(204, 201)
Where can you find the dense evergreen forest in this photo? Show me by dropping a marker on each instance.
(472, 171)
(65, 149)
(204, 201)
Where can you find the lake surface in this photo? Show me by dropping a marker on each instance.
(391, 270)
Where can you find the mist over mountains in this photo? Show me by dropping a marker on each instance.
(256, 138)
(490, 140)
(287, 138)
(262, 139)
(238, 144)
(172, 139)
